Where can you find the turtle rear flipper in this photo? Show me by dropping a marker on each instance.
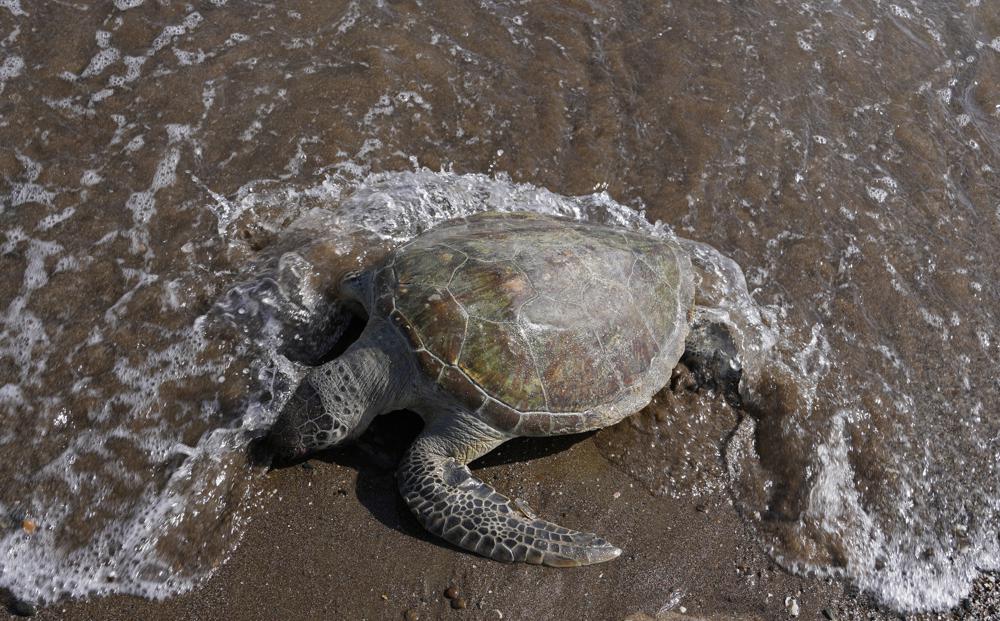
(711, 353)
(452, 503)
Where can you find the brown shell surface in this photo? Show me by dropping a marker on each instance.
(528, 316)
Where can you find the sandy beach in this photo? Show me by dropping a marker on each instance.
(181, 185)
(331, 539)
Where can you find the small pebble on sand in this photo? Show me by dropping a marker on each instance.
(793, 606)
(451, 592)
(411, 615)
(29, 526)
(459, 603)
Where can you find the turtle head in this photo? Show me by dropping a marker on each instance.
(310, 423)
(337, 400)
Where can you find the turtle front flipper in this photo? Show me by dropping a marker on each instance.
(452, 503)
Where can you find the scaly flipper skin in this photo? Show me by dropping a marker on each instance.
(452, 503)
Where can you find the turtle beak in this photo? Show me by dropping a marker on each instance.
(304, 426)
(286, 440)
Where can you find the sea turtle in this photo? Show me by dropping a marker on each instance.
(491, 327)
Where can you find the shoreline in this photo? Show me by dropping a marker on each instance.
(331, 538)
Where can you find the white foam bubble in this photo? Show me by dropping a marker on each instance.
(11, 68)
(135, 144)
(899, 11)
(186, 58)
(877, 194)
(14, 6)
(124, 5)
(350, 18)
(52, 220)
(90, 177)
(101, 61)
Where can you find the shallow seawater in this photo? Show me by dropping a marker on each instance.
(181, 185)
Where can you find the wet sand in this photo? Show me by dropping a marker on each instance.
(333, 540)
